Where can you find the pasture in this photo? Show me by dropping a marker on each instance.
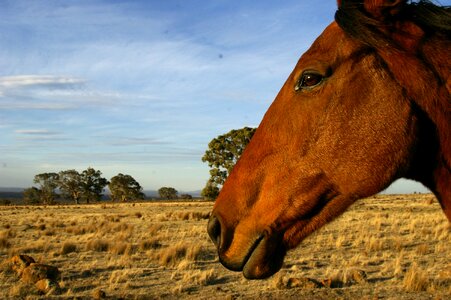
(384, 247)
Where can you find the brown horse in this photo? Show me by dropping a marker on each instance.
(368, 103)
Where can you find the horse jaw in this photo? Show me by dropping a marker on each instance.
(259, 241)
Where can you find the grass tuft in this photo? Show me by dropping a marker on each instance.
(415, 279)
(97, 245)
(4, 243)
(203, 278)
(68, 247)
(153, 243)
(173, 254)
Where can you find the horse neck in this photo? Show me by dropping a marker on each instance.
(436, 55)
(442, 179)
(427, 82)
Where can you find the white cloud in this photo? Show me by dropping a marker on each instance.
(36, 91)
(35, 132)
(52, 92)
(61, 82)
(36, 136)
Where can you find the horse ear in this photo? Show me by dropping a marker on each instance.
(383, 9)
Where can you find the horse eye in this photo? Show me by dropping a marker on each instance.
(309, 80)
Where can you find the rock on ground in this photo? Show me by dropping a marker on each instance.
(35, 272)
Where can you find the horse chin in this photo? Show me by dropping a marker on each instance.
(265, 258)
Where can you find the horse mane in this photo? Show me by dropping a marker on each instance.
(359, 24)
(413, 40)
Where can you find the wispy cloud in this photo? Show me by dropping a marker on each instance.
(36, 92)
(137, 141)
(36, 132)
(40, 136)
(50, 92)
(49, 81)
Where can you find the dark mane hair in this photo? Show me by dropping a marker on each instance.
(355, 21)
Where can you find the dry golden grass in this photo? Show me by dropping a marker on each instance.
(4, 242)
(68, 247)
(416, 279)
(386, 247)
(99, 245)
(148, 244)
(200, 277)
(178, 252)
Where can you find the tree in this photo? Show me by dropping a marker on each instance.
(48, 182)
(222, 154)
(125, 188)
(70, 183)
(168, 193)
(210, 191)
(32, 195)
(186, 197)
(93, 185)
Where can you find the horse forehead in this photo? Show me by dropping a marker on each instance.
(332, 32)
(332, 43)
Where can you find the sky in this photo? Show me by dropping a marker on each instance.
(141, 87)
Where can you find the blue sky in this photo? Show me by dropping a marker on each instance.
(141, 87)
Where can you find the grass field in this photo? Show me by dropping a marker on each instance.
(385, 247)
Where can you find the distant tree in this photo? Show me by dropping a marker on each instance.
(47, 182)
(210, 191)
(168, 193)
(32, 195)
(70, 183)
(186, 197)
(5, 202)
(125, 188)
(222, 155)
(93, 185)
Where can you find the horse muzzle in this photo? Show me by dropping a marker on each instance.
(258, 256)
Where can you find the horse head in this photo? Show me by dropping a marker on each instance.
(358, 112)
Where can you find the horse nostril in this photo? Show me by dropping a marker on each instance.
(214, 230)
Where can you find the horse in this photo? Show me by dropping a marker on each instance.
(368, 103)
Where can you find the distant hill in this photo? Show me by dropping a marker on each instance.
(11, 189)
(17, 193)
(11, 193)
